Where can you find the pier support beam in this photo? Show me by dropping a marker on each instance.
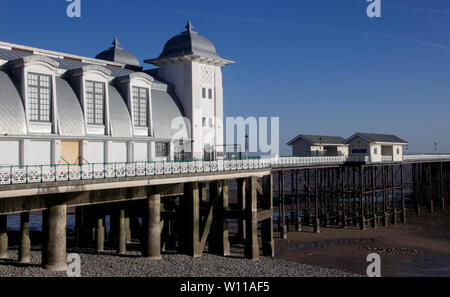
(220, 243)
(54, 238)
(24, 245)
(121, 236)
(190, 206)
(251, 214)
(267, 224)
(3, 237)
(100, 231)
(281, 213)
(316, 203)
(152, 225)
(241, 206)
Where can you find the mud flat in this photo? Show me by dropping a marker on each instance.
(419, 248)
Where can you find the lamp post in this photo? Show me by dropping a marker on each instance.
(246, 145)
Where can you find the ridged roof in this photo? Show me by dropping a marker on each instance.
(12, 113)
(70, 114)
(375, 137)
(318, 139)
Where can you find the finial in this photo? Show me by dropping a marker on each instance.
(189, 26)
(116, 42)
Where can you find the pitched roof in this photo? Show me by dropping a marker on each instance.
(318, 139)
(375, 137)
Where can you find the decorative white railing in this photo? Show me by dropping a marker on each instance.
(386, 158)
(64, 172)
(10, 175)
(419, 157)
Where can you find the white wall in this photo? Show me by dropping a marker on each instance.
(117, 151)
(343, 150)
(378, 156)
(10, 152)
(93, 151)
(398, 157)
(140, 151)
(37, 152)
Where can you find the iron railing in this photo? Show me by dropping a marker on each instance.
(10, 175)
(86, 171)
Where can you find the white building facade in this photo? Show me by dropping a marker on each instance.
(372, 147)
(60, 108)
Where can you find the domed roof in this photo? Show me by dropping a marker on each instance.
(119, 55)
(188, 42)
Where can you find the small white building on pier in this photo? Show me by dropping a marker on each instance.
(318, 145)
(372, 147)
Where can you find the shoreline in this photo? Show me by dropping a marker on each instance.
(419, 248)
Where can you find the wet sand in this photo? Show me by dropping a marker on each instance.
(419, 248)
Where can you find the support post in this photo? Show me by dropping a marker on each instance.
(24, 245)
(298, 219)
(152, 225)
(241, 206)
(416, 188)
(385, 215)
(374, 197)
(316, 204)
(191, 204)
(282, 208)
(362, 221)
(3, 237)
(54, 247)
(394, 208)
(402, 193)
(100, 231)
(267, 225)
(344, 214)
(251, 211)
(121, 236)
(220, 243)
(430, 188)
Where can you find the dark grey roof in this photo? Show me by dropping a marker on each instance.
(120, 118)
(318, 139)
(165, 108)
(374, 137)
(12, 112)
(188, 42)
(119, 55)
(70, 113)
(66, 64)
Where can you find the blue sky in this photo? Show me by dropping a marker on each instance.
(323, 66)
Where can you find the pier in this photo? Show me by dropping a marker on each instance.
(190, 205)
